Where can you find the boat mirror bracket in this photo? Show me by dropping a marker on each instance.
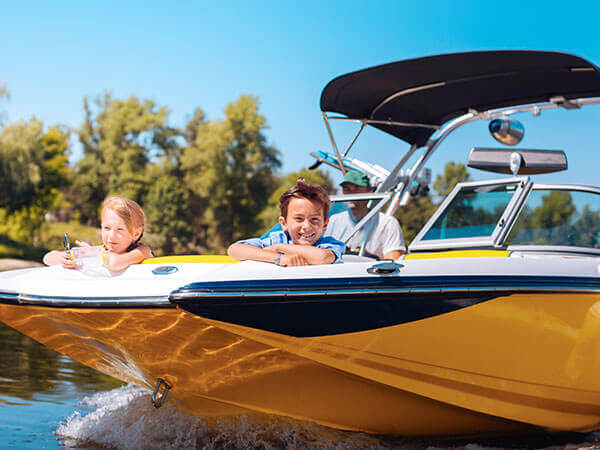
(385, 268)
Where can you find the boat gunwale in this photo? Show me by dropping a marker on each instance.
(14, 298)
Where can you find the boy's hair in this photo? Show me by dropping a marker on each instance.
(310, 191)
(128, 210)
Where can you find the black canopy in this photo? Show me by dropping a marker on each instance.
(435, 89)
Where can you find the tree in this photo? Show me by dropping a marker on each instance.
(230, 168)
(556, 209)
(118, 138)
(167, 214)
(555, 222)
(20, 163)
(190, 133)
(33, 167)
(414, 215)
(453, 173)
(586, 230)
(4, 94)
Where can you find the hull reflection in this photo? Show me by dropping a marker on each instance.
(449, 374)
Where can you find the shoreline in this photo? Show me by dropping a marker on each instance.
(13, 264)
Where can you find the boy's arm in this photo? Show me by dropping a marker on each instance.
(312, 255)
(117, 262)
(242, 252)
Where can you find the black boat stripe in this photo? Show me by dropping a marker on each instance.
(321, 307)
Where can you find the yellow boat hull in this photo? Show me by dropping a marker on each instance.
(504, 365)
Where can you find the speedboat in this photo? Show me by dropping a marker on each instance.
(490, 324)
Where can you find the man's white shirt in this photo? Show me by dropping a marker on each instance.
(385, 234)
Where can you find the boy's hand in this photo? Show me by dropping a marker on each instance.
(276, 248)
(290, 260)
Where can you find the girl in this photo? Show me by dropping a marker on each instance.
(122, 228)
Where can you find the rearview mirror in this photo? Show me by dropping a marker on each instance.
(506, 130)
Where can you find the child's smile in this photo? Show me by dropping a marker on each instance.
(304, 222)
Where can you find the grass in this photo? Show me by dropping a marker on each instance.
(18, 250)
(51, 238)
(52, 234)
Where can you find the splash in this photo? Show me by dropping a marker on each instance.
(125, 418)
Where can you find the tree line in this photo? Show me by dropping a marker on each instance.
(202, 186)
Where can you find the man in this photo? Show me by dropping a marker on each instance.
(385, 235)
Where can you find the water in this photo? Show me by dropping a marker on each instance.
(50, 401)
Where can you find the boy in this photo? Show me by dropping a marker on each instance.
(304, 216)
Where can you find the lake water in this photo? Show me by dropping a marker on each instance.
(49, 401)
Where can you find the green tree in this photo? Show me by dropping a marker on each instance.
(556, 209)
(4, 95)
(453, 173)
(33, 167)
(119, 137)
(4, 92)
(586, 230)
(555, 222)
(190, 133)
(230, 168)
(167, 214)
(414, 215)
(20, 163)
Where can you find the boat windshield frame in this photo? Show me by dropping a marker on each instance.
(514, 208)
(503, 225)
(558, 248)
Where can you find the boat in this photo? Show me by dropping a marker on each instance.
(490, 324)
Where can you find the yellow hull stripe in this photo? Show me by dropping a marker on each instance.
(459, 254)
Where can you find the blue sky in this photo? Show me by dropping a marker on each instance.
(191, 54)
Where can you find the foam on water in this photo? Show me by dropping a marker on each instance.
(125, 418)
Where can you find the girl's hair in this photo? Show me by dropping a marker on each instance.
(131, 213)
(310, 191)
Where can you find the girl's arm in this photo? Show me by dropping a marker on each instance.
(53, 258)
(56, 257)
(117, 262)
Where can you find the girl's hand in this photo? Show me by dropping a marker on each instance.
(104, 256)
(82, 244)
(67, 261)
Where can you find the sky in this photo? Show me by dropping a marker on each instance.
(185, 55)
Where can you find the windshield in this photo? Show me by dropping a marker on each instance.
(474, 212)
(558, 217)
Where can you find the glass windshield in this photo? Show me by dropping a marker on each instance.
(474, 212)
(558, 217)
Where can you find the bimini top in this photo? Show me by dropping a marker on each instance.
(427, 92)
